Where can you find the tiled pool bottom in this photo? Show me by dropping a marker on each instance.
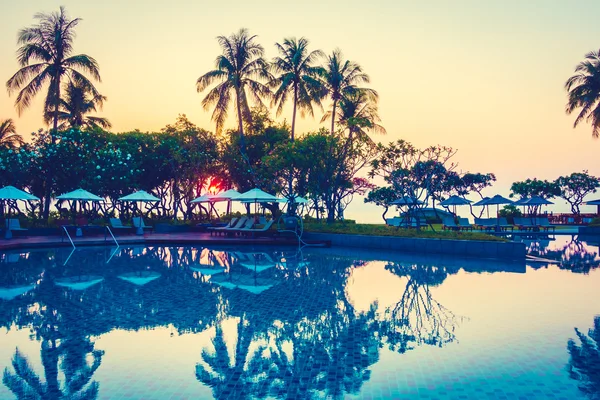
(167, 322)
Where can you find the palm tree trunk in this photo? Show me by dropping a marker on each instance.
(294, 112)
(292, 207)
(240, 122)
(49, 172)
(333, 116)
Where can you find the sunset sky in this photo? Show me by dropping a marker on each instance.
(486, 78)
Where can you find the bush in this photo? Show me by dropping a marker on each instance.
(510, 212)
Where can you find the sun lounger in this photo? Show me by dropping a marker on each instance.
(240, 222)
(504, 225)
(138, 222)
(255, 231)
(13, 224)
(464, 224)
(486, 224)
(393, 221)
(116, 224)
(248, 224)
(524, 224)
(544, 223)
(449, 223)
(231, 224)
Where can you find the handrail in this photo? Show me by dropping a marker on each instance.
(69, 236)
(113, 236)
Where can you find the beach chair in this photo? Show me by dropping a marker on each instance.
(464, 224)
(524, 224)
(544, 223)
(248, 224)
(117, 225)
(254, 231)
(231, 224)
(13, 224)
(485, 224)
(450, 224)
(504, 225)
(240, 222)
(138, 222)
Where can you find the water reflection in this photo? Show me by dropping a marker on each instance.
(277, 323)
(578, 255)
(584, 362)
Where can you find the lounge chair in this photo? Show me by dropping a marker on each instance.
(485, 224)
(248, 224)
(449, 223)
(13, 224)
(138, 222)
(504, 225)
(116, 224)
(544, 224)
(254, 231)
(464, 224)
(231, 224)
(524, 224)
(240, 222)
(393, 221)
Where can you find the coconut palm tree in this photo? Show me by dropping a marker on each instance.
(341, 78)
(78, 101)
(238, 71)
(8, 134)
(584, 92)
(298, 78)
(45, 57)
(358, 113)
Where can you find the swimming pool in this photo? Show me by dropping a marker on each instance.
(241, 323)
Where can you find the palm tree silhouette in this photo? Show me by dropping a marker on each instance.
(238, 70)
(584, 363)
(78, 101)
(45, 57)
(340, 79)
(298, 78)
(8, 134)
(584, 92)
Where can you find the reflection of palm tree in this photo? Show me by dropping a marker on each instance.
(221, 372)
(584, 364)
(72, 356)
(418, 317)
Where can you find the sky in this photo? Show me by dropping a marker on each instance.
(486, 78)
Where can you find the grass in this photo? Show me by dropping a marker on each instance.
(384, 230)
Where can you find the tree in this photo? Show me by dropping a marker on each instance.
(584, 92)
(584, 363)
(298, 78)
(9, 138)
(45, 58)
(381, 196)
(340, 79)
(535, 187)
(238, 70)
(49, 44)
(78, 101)
(575, 187)
(358, 114)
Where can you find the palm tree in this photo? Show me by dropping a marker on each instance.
(8, 134)
(78, 101)
(340, 79)
(45, 58)
(298, 77)
(584, 92)
(358, 113)
(238, 70)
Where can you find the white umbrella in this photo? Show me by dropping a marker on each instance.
(255, 196)
(79, 282)
(205, 198)
(140, 278)
(227, 195)
(9, 293)
(143, 197)
(297, 199)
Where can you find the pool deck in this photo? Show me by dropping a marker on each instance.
(187, 238)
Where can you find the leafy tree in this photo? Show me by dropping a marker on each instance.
(45, 58)
(238, 70)
(78, 101)
(381, 196)
(9, 138)
(535, 187)
(340, 79)
(297, 77)
(584, 92)
(584, 363)
(358, 114)
(575, 187)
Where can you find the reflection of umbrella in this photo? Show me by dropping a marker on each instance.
(141, 196)
(259, 262)
(140, 278)
(80, 282)
(455, 201)
(245, 282)
(9, 293)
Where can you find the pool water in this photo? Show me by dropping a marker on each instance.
(265, 323)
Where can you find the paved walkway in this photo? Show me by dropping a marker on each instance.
(148, 238)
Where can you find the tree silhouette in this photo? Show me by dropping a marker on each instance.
(584, 363)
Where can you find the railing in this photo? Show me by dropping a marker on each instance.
(571, 219)
(69, 236)
(113, 236)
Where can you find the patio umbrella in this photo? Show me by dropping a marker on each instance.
(207, 198)
(255, 196)
(80, 282)
(483, 203)
(227, 196)
(536, 201)
(497, 200)
(594, 203)
(455, 201)
(140, 278)
(9, 293)
(405, 201)
(142, 197)
(80, 195)
(12, 193)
